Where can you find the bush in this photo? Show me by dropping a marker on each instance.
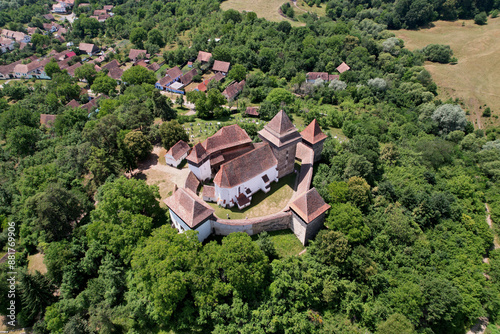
(494, 13)
(438, 53)
(487, 112)
(481, 19)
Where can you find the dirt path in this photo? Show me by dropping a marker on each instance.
(496, 243)
(295, 4)
(158, 173)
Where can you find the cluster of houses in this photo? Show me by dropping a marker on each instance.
(176, 81)
(239, 169)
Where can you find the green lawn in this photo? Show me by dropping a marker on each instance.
(285, 242)
(262, 204)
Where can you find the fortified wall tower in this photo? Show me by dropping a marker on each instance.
(283, 138)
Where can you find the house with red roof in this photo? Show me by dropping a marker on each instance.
(204, 57)
(232, 91)
(221, 67)
(177, 153)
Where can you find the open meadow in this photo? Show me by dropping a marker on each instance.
(474, 79)
(267, 9)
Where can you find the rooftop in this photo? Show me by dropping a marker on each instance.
(189, 207)
(204, 56)
(221, 66)
(178, 150)
(192, 183)
(245, 167)
(309, 206)
(312, 133)
(343, 67)
(280, 131)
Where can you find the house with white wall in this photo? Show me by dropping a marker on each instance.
(177, 153)
(189, 212)
(240, 178)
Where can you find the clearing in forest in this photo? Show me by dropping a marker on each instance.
(474, 79)
(267, 9)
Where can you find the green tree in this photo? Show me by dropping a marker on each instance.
(179, 101)
(137, 75)
(101, 164)
(277, 96)
(137, 147)
(348, 219)
(22, 140)
(138, 36)
(481, 18)
(54, 210)
(359, 192)
(126, 213)
(155, 37)
(171, 132)
(215, 99)
(52, 67)
(395, 324)
(450, 117)
(86, 72)
(438, 53)
(237, 72)
(104, 84)
(36, 294)
(330, 248)
(162, 106)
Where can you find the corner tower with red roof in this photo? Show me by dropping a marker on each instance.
(313, 137)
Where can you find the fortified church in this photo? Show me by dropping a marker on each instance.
(239, 169)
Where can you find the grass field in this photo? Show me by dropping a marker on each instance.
(285, 242)
(304, 7)
(262, 204)
(267, 9)
(474, 79)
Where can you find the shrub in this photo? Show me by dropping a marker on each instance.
(487, 112)
(494, 13)
(481, 19)
(438, 53)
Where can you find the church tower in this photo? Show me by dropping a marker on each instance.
(283, 138)
(314, 138)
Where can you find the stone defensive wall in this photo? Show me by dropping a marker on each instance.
(274, 222)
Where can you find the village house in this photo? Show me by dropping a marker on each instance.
(7, 71)
(232, 91)
(313, 76)
(31, 30)
(204, 57)
(343, 67)
(51, 27)
(60, 8)
(88, 48)
(6, 44)
(177, 153)
(18, 36)
(73, 104)
(172, 76)
(49, 17)
(187, 78)
(202, 87)
(35, 69)
(221, 67)
(134, 54)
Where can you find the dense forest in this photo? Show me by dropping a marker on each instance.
(403, 247)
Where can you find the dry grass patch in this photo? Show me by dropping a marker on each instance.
(35, 263)
(474, 79)
(267, 9)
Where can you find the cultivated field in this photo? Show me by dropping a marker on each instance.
(267, 9)
(474, 80)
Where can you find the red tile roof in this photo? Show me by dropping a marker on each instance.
(192, 183)
(178, 150)
(115, 73)
(202, 87)
(174, 72)
(252, 111)
(312, 133)
(188, 77)
(204, 56)
(198, 154)
(47, 120)
(208, 191)
(228, 136)
(280, 131)
(309, 206)
(73, 104)
(165, 81)
(343, 67)
(113, 64)
(245, 167)
(154, 67)
(87, 48)
(221, 66)
(189, 207)
(233, 90)
(134, 53)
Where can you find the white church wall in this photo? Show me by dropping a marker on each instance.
(204, 229)
(169, 160)
(203, 172)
